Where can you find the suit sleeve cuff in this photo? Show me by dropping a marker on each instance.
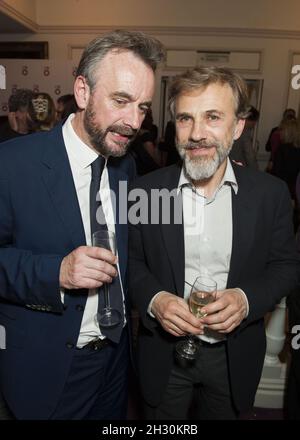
(150, 304)
(246, 300)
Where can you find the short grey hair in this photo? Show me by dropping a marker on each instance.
(201, 77)
(148, 49)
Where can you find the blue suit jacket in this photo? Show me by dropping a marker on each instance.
(40, 223)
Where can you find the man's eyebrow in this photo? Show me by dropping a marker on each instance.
(219, 112)
(180, 115)
(130, 98)
(122, 95)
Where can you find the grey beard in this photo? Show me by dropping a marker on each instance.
(201, 168)
(97, 136)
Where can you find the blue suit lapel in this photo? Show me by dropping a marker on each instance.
(58, 179)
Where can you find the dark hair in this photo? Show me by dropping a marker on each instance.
(253, 114)
(65, 98)
(204, 76)
(69, 105)
(20, 100)
(289, 113)
(147, 48)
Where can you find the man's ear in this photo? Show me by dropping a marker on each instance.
(239, 128)
(81, 92)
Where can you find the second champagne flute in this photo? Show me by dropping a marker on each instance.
(106, 316)
(202, 293)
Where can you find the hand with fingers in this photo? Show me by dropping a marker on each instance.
(174, 315)
(227, 312)
(87, 268)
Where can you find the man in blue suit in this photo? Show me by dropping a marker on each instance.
(57, 363)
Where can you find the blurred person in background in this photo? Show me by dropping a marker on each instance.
(167, 145)
(286, 163)
(41, 112)
(274, 139)
(65, 105)
(17, 123)
(243, 150)
(144, 148)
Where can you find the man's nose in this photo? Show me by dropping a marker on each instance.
(198, 131)
(134, 118)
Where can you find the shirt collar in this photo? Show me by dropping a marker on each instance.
(79, 153)
(228, 178)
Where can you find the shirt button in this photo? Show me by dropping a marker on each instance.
(79, 308)
(69, 345)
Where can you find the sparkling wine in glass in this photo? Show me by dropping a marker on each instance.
(198, 299)
(107, 316)
(202, 293)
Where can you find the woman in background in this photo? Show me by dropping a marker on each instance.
(42, 112)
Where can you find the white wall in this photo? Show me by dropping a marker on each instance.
(263, 14)
(266, 14)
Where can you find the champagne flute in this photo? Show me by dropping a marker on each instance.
(203, 292)
(107, 316)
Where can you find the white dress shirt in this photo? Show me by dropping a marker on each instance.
(208, 234)
(81, 157)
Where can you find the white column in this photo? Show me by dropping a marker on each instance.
(270, 391)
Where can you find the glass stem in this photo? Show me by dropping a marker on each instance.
(191, 342)
(106, 296)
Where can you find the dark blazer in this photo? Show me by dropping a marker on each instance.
(40, 223)
(264, 263)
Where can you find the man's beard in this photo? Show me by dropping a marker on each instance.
(97, 135)
(202, 167)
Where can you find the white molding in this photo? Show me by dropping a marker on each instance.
(20, 18)
(157, 30)
(177, 31)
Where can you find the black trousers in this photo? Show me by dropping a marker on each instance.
(200, 390)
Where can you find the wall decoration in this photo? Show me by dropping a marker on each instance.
(57, 90)
(25, 70)
(30, 74)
